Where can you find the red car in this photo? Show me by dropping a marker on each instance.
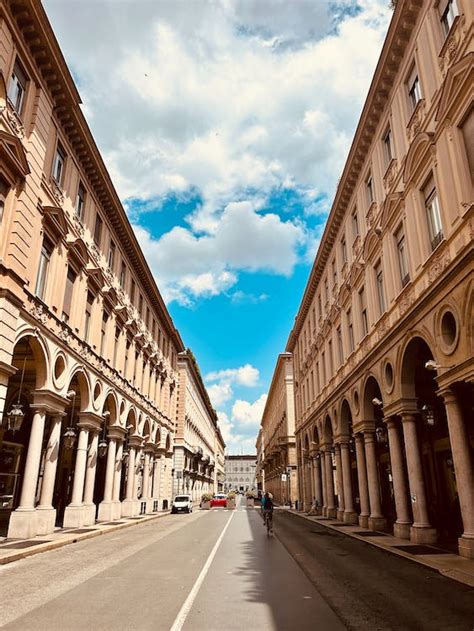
(219, 500)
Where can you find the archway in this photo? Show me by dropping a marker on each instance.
(30, 363)
(419, 384)
(346, 430)
(109, 417)
(373, 411)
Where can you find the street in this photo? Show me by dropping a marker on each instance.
(218, 570)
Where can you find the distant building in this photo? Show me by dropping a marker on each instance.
(240, 472)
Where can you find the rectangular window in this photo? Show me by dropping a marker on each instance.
(70, 280)
(88, 316)
(111, 256)
(98, 230)
(80, 201)
(103, 332)
(132, 292)
(320, 310)
(369, 187)
(363, 312)
(140, 305)
(344, 250)
(387, 146)
(323, 366)
(340, 345)
(355, 223)
(449, 15)
(402, 256)
(43, 268)
(58, 164)
(380, 288)
(126, 357)
(17, 87)
(350, 330)
(123, 275)
(326, 290)
(4, 190)
(433, 214)
(147, 320)
(467, 129)
(331, 367)
(334, 273)
(116, 345)
(414, 88)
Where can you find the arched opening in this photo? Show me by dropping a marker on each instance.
(78, 399)
(30, 364)
(419, 384)
(109, 417)
(373, 411)
(346, 430)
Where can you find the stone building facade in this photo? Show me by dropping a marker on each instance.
(88, 351)
(260, 462)
(197, 445)
(383, 340)
(219, 469)
(240, 473)
(278, 435)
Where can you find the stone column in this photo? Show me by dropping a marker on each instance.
(463, 468)
(331, 500)
(421, 530)
(146, 479)
(117, 509)
(157, 480)
(74, 513)
(23, 520)
(350, 516)
(46, 513)
(128, 505)
(340, 484)
(362, 479)
(317, 485)
(401, 527)
(376, 519)
(106, 506)
(322, 463)
(89, 506)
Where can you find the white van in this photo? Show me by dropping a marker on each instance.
(182, 504)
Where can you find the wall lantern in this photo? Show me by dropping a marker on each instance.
(381, 435)
(16, 415)
(428, 415)
(69, 436)
(102, 446)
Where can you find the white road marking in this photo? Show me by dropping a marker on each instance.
(188, 603)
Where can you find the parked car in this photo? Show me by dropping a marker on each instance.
(219, 500)
(182, 504)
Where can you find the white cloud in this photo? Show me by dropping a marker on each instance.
(249, 414)
(220, 393)
(240, 430)
(246, 375)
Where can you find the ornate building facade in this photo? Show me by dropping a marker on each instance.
(278, 435)
(383, 340)
(88, 351)
(240, 473)
(198, 445)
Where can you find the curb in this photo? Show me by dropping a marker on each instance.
(451, 573)
(54, 545)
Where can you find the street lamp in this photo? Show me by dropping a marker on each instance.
(428, 415)
(69, 436)
(102, 446)
(381, 435)
(16, 415)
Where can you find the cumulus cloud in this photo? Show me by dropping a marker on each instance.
(249, 414)
(245, 375)
(239, 431)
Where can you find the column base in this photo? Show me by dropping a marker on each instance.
(106, 511)
(350, 517)
(401, 530)
(46, 519)
(340, 514)
(364, 521)
(23, 524)
(331, 512)
(423, 534)
(117, 509)
(466, 547)
(73, 516)
(378, 523)
(129, 508)
(149, 505)
(89, 514)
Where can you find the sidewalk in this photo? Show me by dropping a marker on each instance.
(15, 549)
(446, 563)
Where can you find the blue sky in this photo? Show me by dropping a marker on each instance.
(225, 126)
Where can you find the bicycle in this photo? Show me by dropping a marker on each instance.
(268, 519)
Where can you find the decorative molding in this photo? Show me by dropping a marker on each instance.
(439, 263)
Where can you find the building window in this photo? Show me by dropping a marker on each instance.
(433, 214)
(323, 367)
(132, 292)
(449, 15)
(343, 250)
(70, 280)
(140, 305)
(326, 290)
(467, 129)
(126, 357)
(402, 256)
(17, 87)
(103, 332)
(414, 88)
(380, 288)
(334, 273)
(111, 257)
(116, 345)
(331, 366)
(58, 164)
(355, 223)
(339, 345)
(87, 323)
(98, 230)
(363, 312)
(42, 275)
(369, 186)
(387, 146)
(80, 201)
(123, 275)
(350, 330)
(320, 310)
(4, 190)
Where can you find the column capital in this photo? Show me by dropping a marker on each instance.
(448, 394)
(50, 401)
(408, 416)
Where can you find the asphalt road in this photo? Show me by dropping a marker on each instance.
(153, 576)
(369, 588)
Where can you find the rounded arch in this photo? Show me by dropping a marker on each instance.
(132, 420)
(372, 395)
(346, 418)
(110, 405)
(147, 427)
(156, 436)
(315, 436)
(415, 355)
(3, 91)
(168, 442)
(79, 382)
(40, 354)
(328, 430)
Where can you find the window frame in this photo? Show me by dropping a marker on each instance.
(60, 156)
(402, 255)
(379, 286)
(80, 205)
(446, 25)
(15, 81)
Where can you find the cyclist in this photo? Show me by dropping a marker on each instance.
(267, 507)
